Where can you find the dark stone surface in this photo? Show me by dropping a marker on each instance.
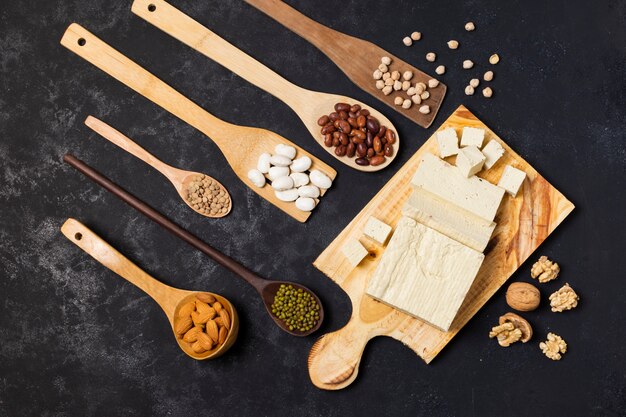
(77, 340)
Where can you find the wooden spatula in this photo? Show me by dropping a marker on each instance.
(355, 57)
(240, 145)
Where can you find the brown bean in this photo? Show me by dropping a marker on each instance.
(372, 125)
(377, 160)
(364, 112)
(361, 150)
(388, 150)
(328, 129)
(328, 140)
(336, 141)
(336, 134)
(323, 120)
(390, 136)
(342, 107)
(383, 141)
(343, 115)
(336, 123)
(340, 150)
(355, 108)
(343, 138)
(370, 152)
(350, 150)
(344, 126)
(362, 161)
(361, 120)
(378, 145)
(333, 116)
(352, 122)
(351, 114)
(369, 139)
(382, 131)
(360, 135)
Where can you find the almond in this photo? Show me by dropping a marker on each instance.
(222, 335)
(192, 334)
(205, 341)
(212, 330)
(225, 318)
(217, 306)
(200, 318)
(197, 347)
(182, 325)
(186, 309)
(219, 322)
(205, 297)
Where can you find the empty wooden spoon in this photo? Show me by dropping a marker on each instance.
(309, 105)
(169, 298)
(180, 179)
(267, 289)
(241, 145)
(355, 57)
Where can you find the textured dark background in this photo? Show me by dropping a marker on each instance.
(77, 340)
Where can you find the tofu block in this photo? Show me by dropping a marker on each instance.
(449, 219)
(512, 180)
(354, 251)
(424, 273)
(473, 136)
(473, 194)
(493, 151)
(448, 142)
(377, 230)
(470, 160)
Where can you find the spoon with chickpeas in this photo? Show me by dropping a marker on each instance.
(205, 325)
(356, 135)
(202, 193)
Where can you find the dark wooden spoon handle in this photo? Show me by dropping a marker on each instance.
(142, 207)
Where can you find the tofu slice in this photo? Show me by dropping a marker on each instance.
(472, 136)
(470, 160)
(512, 180)
(473, 194)
(424, 273)
(354, 252)
(377, 230)
(493, 151)
(449, 219)
(448, 142)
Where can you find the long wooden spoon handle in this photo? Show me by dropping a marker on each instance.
(145, 209)
(116, 137)
(182, 27)
(104, 253)
(82, 42)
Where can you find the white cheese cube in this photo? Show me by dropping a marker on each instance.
(470, 160)
(511, 180)
(354, 251)
(473, 136)
(377, 230)
(448, 142)
(492, 151)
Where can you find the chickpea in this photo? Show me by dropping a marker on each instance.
(398, 101)
(416, 36)
(407, 41)
(474, 82)
(469, 26)
(407, 75)
(487, 92)
(440, 70)
(469, 90)
(467, 64)
(406, 104)
(453, 44)
(386, 60)
(488, 76)
(431, 56)
(432, 83)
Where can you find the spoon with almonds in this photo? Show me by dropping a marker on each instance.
(208, 339)
(204, 194)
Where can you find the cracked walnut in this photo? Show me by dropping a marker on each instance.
(564, 299)
(554, 347)
(506, 334)
(545, 270)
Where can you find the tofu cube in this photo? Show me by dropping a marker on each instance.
(354, 251)
(492, 151)
(473, 137)
(448, 142)
(512, 180)
(377, 230)
(470, 160)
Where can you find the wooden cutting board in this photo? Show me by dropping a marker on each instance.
(522, 224)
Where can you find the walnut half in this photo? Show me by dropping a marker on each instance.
(506, 334)
(554, 347)
(564, 299)
(545, 270)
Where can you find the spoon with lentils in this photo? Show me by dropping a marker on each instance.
(204, 194)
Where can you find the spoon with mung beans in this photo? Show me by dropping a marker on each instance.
(202, 193)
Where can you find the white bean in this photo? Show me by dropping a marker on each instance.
(280, 161)
(310, 191)
(285, 150)
(305, 204)
(320, 179)
(282, 183)
(301, 164)
(256, 177)
(287, 195)
(299, 179)
(264, 163)
(277, 172)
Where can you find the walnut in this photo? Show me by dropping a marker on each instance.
(553, 347)
(564, 299)
(545, 269)
(519, 323)
(506, 334)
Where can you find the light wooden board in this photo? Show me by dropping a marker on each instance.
(523, 223)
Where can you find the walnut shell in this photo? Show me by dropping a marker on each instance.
(521, 296)
(519, 323)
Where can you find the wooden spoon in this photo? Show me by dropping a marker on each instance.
(309, 105)
(241, 145)
(355, 57)
(170, 299)
(266, 288)
(180, 179)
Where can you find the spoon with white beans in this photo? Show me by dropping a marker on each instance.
(349, 130)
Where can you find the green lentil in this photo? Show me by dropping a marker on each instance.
(296, 308)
